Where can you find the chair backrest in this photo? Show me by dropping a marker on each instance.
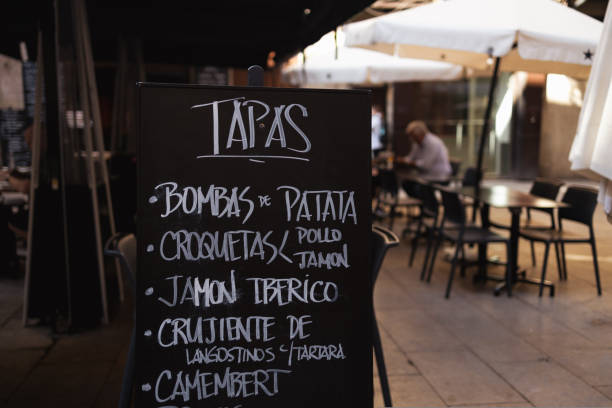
(411, 187)
(470, 177)
(454, 211)
(455, 166)
(382, 240)
(388, 182)
(427, 195)
(546, 188)
(123, 247)
(582, 201)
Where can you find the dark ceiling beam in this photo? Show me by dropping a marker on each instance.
(235, 33)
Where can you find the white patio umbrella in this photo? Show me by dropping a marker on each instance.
(358, 66)
(592, 147)
(528, 35)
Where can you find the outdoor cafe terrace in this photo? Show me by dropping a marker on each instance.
(473, 349)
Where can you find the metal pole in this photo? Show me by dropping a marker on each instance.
(389, 115)
(35, 173)
(88, 138)
(256, 75)
(114, 137)
(99, 138)
(485, 125)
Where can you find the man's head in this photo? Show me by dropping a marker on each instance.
(416, 131)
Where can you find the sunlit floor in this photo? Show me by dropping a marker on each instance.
(479, 350)
(471, 350)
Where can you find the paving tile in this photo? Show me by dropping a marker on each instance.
(545, 383)
(414, 331)
(102, 344)
(601, 304)
(483, 334)
(14, 367)
(584, 320)
(11, 298)
(459, 377)
(605, 390)
(592, 366)
(536, 327)
(408, 391)
(22, 338)
(9, 307)
(108, 395)
(389, 295)
(61, 385)
(496, 405)
(396, 361)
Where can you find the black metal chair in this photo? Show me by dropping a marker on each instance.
(427, 222)
(123, 247)
(460, 232)
(470, 177)
(582, 202)
(389, 195)
(455, 166)
(546, 189)
(382, 240)
(411, 187)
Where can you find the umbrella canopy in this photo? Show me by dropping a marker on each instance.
(531, 35)
(358, 66)
(592, 147)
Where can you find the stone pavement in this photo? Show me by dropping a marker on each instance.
(471, 350)
(38, 369)
(479, 350)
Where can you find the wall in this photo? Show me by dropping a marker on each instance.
(559, 122)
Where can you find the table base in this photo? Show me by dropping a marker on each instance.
(520, 277)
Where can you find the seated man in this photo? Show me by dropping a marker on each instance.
(428, 156)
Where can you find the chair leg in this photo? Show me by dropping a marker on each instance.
(596, 264)
(509, 271)
(533, 257)
(380, 364)
(415, 241)
(544, 263)
(482, 260)
(559, 264)
(452, 272)
(430, 238)
(391, 217)
(463, 262)
(433, 257)
(563, 260)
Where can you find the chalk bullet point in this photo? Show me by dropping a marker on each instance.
(152, 199)
(149, 292)
(150, 248)
(146, 387)
(147, 333)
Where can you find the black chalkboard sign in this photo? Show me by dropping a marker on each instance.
(253, 285)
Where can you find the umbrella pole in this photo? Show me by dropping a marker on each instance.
(487, 118)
